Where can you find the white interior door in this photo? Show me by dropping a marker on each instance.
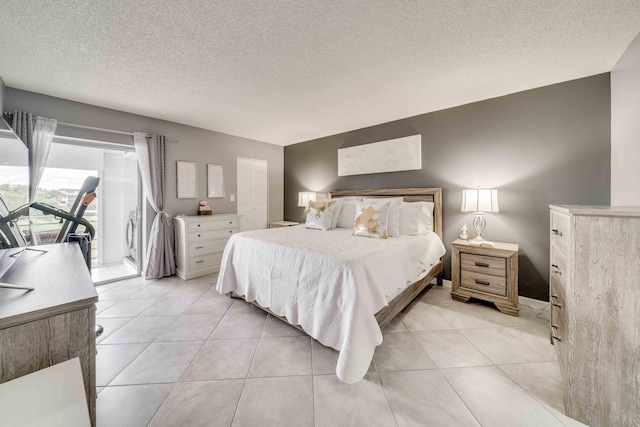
(253, 195)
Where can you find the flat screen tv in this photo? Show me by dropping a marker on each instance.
(14, 197)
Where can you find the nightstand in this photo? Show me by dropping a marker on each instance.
(485, 273)
(278, 224)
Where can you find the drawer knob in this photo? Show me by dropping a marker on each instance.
(482, 282)
(230, 231)
(199, 235)
(200, 262)
(230, 222)
(556, 232)
(557, 305)
(198, 225)
(557, 339)
(482, 264)
(199, 247)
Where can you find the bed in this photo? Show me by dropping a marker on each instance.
(338, 288)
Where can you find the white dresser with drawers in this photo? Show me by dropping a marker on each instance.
(595, 311)
(200, 242)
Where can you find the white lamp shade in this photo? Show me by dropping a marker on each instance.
(304, 197)
(480, 200)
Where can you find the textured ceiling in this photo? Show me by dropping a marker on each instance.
(286, 71)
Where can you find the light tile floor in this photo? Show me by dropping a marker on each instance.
(177, 353)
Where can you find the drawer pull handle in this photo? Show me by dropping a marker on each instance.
(557, 305)
(554, 266)
(230, 231)
(554, 296)
(556, 269)
(482, 282)
(230, 222)
(558, 272)
(481, 264)
(557, 339)
(198, 225)
(554, 326)
(200, 262)
(556, 232)
(199, 235)
(199, 247)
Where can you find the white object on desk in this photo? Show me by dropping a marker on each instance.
(50, 397)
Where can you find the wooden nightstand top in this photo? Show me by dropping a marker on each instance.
(498, 245)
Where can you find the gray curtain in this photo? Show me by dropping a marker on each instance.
(22, 125)
(151, 153)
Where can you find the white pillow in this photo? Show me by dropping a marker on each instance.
(347, 214)
(371, 219)
(416, 218)
(393, 226)
(319, 215)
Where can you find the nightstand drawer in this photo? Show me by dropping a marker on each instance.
(483, 282)
(483, 264)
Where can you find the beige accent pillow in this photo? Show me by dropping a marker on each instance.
(371, 219)
(319, 215)
(393, 223)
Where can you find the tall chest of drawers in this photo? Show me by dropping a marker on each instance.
(200, 242)
(595, 311)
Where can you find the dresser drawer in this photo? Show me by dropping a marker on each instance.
(483, 282)
(483, 264)
(559, 330)
(560, 231)
(211, 234)
(205, 261)
(207, 247)
(212, 225)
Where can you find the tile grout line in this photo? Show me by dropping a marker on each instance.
(235, 412)
(544, 406)
(458, 394)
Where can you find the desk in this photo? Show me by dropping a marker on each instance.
(53, 323)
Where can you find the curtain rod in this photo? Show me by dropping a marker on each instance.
(98, 129)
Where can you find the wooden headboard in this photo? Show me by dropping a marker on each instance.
(410, 195)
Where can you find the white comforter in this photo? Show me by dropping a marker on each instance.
(329, 282)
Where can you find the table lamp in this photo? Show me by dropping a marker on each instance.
(304, 197)
(479, 200)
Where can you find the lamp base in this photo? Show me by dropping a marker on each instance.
(478, 240)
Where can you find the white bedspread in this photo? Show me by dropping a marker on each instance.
(329, 282)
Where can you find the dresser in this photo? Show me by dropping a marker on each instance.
(486, 273)
(53, 323)
(595, 311)
(200, 242)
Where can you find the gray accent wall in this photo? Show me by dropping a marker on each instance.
(194, 144)
(544, 146)
(625, 128)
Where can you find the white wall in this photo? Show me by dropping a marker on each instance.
(625, 128)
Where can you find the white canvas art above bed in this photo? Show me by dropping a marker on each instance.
(400, 154)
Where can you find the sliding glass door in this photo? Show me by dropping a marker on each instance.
(115, 213)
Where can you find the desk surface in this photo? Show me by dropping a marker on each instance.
(61, 280)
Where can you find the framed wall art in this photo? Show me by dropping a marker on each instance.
(215, 181)
(187, 182)
(400, 154)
